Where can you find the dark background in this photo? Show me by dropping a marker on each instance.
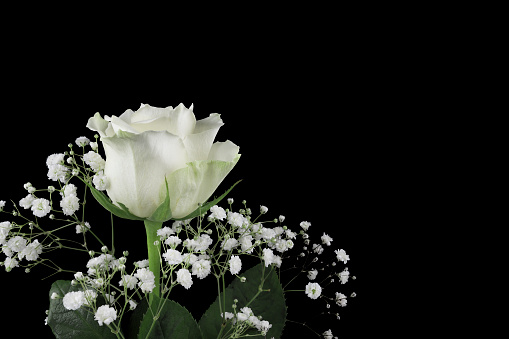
(314, 142)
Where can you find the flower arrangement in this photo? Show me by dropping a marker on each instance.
(162, 167)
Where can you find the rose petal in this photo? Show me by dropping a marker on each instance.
(136, 165)
(199, 143)
(195, 184)
(224, 151)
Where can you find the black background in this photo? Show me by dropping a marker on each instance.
(313, 140)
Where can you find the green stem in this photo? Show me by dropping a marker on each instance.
(154, 256)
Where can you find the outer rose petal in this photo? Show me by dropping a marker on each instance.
(199, 143)
(195, 184)
(179, 121)
(224, 151)
(136, 165)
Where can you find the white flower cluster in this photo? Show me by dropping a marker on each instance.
(244, 320)
(16, 247)
(101, 271)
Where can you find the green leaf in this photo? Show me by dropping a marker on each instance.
(163, 212)
(121, 212)
(268, 304)
(174, 322)
(205, 207)
(67, 324)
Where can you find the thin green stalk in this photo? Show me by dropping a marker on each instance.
(154, 256)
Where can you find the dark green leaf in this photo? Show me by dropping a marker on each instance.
(174, 322)
(268, 304)
(203, 209)
(67, 324)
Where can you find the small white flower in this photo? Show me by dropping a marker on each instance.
(290, 234)
(229, 244)
(100, 181)
(235, 219)
(58, 172)
(343, 276)
(313, 290)
(173, 241)
(326, 239)
(246, 243)
(142, 263)
(31, 251)
(268, 256)
(17, 243)
(341, 299)
(82, 141)
(10, 263)
(146, 279)
(54, 159)
(217, 213)
(82, 228)
(132, 305)
(70, 204)
(235, 264)
(105, 315)
(263, 209)
(74, 300)
(184, 278)
(318, 249)
(5, 228)
(201, 268)
(230, 201)
(41, 207)
(305, 225)
(128, 281)
(27, 201)
(54, 296)
(165, 232)
(312, 274)
(173, 257)
(79, 276)
(94, 160)
(328, 334)
(281, 218)
(342, 256)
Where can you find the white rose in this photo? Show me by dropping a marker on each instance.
(145, 147)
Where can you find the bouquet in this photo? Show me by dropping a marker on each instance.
(160, 167)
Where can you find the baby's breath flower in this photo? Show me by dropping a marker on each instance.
(10, 263)
(94, 160)
(341, 299)
(326, 239)
(217, 213)
(100, 181)
(70, 204)
(82, 141)
(27, 201)
(305, 225)
(313, 290)
(312, 274)
(342, 256)
(165, 232)
(263, 209)
(184, 278)
(201, 268)
(74, 300)
(40, 207)
(235, 264)
(327, 334)
(105, 315)
(173, 257)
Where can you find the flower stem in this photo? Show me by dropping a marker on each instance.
(154, 256)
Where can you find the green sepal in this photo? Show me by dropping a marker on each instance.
(105, 201)
(163, 212)
(206, 206)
